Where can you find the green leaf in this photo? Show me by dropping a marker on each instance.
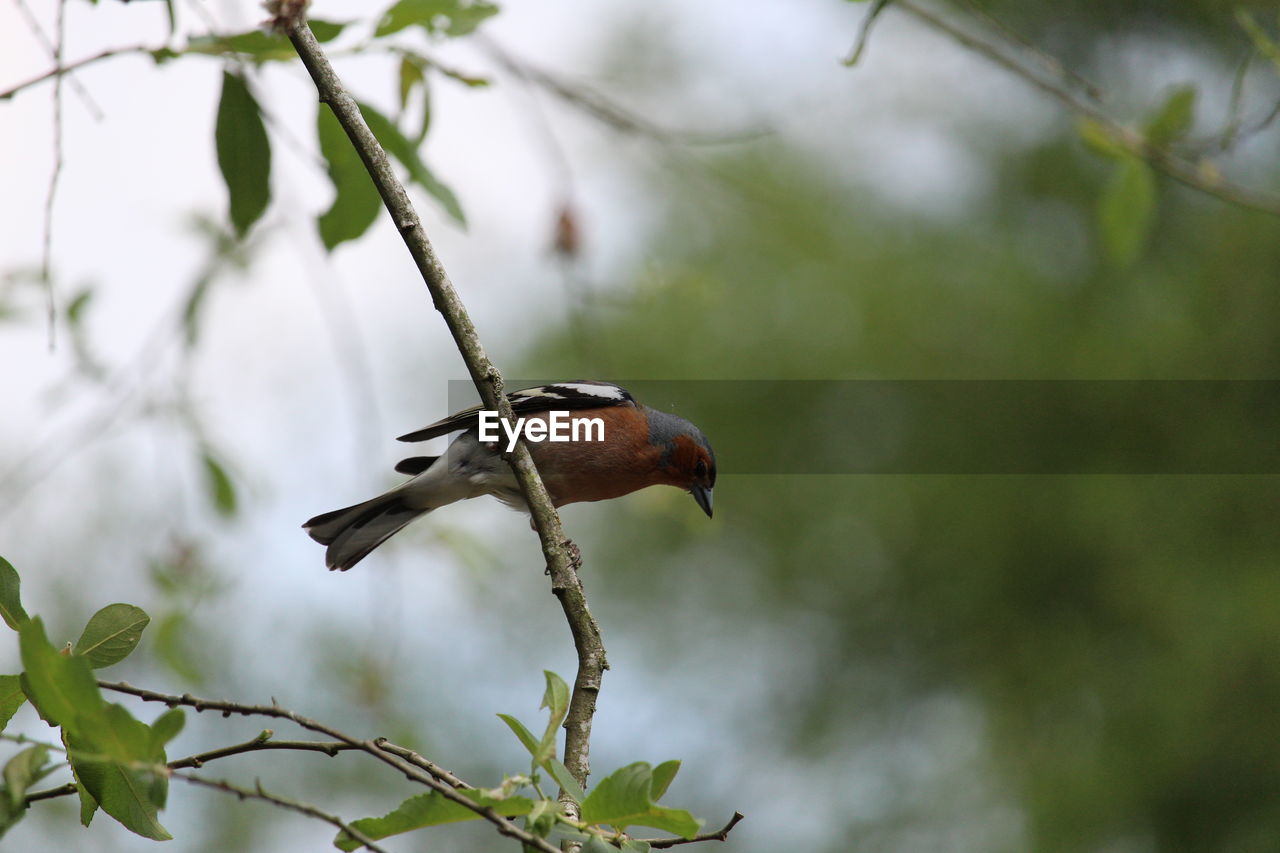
(1126, 210)
(167, 727)
(75, 308)
(430, 810)
(556, 698)
(447, 17)
(624, 798)
(10, 601)
(117, 761)
(221, 489)
(88, 805)
(61, 687)
(1100, 140)
(1262, 42)
(11, 698)
(355, 203)
(399, 146)
(244, 153)
(411, 76)
(23, 770)
(663, 774)
(596, 844)
(564, 779)
(111, 634)
(170, 646)
(633, 845)
(526, 737)
(258, 46)
(1174, 118)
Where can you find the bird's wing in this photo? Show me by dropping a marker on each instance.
(559, 396)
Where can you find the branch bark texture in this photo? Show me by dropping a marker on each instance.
(559, 553)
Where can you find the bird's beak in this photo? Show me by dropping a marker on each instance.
(702, 495)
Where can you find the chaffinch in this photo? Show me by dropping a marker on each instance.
(614, 446)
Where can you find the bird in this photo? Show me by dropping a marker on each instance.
(614, 446)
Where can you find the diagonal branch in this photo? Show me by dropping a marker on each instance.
(372, 747)
(257, 793)
(559, 553)
(1200, 176)
(721, 834)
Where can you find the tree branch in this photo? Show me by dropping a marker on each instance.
(261, 742)
(410, 771)
(556, 549)
(1200, 176)
(257, 793)
(59, 70)
(721, 834)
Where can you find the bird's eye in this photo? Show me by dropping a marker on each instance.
(700, 469)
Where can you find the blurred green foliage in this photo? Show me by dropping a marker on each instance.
(1120, 633)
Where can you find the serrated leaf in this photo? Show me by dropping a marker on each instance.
(116, 760)
(564, 779)
(11, 698)
(61, 687)
(526, 737)
(111, 635)
(663, 774)
(10, 599)
(1174, 118)
(1126, 210)
(624, 798)
(430, 810)
(355, 202)
(222, 491)
(244, 153)
(445, 17)
(399, 146)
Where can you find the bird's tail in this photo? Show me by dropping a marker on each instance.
(352, 532)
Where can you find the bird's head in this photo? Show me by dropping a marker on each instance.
(688, 461)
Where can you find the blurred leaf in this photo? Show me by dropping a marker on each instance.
(61, 687)
(221, 490)
(244, 153)
(170, 646)
(564, 779)
(259, 45)
(526, 737)
(663, 774)
(10, 600)
(430, 810)
(448, 17)
(355, 202)
(11, 698)
(1126, 210)
(400, 147)
(1100, 140)
(1262, 41)
(624, 798)
(112, 634)
(75, 308)
(166, 727)
(596, 844)
(411, 76)
(1174, 118)
(117, 759)
(632, 845)
(20, 773)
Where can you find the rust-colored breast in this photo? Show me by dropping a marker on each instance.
(577, 471)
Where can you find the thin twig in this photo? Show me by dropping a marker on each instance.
(556, 549)
(46, 258)
(604, 109)
(410, 771)
(721, 834)
(51, 793)
(258, 793)
(1199, 176)
(419, 761)
(34, 25)
(261, 742)
(59, 70)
